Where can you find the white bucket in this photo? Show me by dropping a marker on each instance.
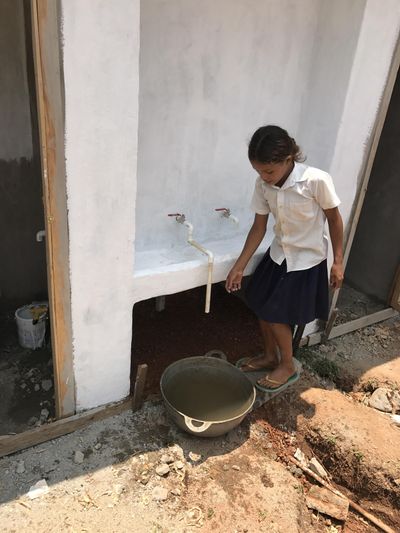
(30, 335)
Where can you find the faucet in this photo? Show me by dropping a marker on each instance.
(226, 212)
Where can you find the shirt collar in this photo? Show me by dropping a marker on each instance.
(297, 174)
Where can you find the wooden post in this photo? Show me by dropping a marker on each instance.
(46, 40)
(139, 387)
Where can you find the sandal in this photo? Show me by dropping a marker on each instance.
(280, 385)
(246, 361)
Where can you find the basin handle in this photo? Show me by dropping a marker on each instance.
(218, 354)
(197, 429)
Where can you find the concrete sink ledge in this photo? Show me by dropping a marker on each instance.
(162, 271)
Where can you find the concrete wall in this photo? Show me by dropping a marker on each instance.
(101, 56)
(375, 254)
(210, 74)
(23, 261)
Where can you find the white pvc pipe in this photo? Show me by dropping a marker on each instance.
(210, 263)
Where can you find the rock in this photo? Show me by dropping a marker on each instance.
(395, 401)
(380, 400)
(97, 446)
(23, 385)
(396, 420)
(47, 384)
(176, 492)
(160, 494)
(235, 467)
(20, 467)
(317, 468)
(167, 459)
(162, 470)
(195, 457)
(119, 489)
(78, 457)
(38, 489)
(225, 468)
(44, 414)
(299, 455)
(32, 421)
(37, 387)
(179, 465)
(324, 349)
(298, 472)
(325, 501)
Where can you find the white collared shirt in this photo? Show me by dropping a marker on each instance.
(297, 207)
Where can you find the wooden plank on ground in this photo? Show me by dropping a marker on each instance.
(14, 443)
(353, 325)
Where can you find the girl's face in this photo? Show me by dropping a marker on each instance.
(273, 173)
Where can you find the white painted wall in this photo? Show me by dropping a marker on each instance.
(377, 40)
(101, 54)
(210, 74)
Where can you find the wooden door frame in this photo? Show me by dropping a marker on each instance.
(365, 176)
(46, 42)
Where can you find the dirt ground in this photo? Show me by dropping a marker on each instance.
(26, 379)
(104, 478)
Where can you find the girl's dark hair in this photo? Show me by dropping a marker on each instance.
(272, 144)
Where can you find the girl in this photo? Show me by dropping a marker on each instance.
(290, 285)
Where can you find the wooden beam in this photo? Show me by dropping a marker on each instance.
(353, 325)
(49, 90)
(139, 387)
(14, 443)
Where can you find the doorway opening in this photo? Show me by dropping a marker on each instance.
(375, 254)
(26, 375)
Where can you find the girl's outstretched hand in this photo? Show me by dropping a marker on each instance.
(336, 275)
(234, 280)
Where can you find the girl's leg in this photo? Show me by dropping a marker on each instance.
(283, 337)
(270, 357)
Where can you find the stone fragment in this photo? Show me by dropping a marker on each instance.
(299, 455)
(323, 348)
(47, 384)
(235, 467)
(162, 470)
(326, 502)
(20, 467)
(380, 400)
(176, 492)
(97, 446)
(179, 465)
(225, 467)
(37, 387)
(78, 457)
(167, 459)
(395, 401)
(195, 457)
(32, 421)
(38, 489)
(44, 414)
(160, 494)
(317, 468)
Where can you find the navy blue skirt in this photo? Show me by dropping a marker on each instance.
(294, 298)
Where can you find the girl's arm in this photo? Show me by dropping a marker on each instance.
(335, 224)
(254, 238)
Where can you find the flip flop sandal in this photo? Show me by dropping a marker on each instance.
(246, 361)
(293, 378)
